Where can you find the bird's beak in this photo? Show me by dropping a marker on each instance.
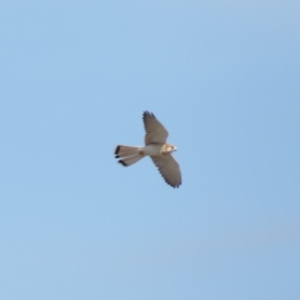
(175, 148)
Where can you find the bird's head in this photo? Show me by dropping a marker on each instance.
(168, 148)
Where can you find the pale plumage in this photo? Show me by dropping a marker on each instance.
(155, 147)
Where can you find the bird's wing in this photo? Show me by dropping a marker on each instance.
(169, 169)
(156, 133)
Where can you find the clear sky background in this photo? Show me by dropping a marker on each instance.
(223, 77)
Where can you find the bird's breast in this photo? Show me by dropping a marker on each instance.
(152, 150)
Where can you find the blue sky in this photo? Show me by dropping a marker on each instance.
(223, 77)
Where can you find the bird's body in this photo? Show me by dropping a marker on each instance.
(155, 147)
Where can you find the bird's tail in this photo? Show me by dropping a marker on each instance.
(128, 155)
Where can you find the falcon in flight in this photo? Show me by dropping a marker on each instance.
(156, 147)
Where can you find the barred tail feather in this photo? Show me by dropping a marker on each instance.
(128, 155)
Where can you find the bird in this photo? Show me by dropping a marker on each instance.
(156, 147)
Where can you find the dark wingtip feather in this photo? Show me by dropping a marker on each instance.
(173, 186)
(169, 183)
(144, 115)
(146, 112)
